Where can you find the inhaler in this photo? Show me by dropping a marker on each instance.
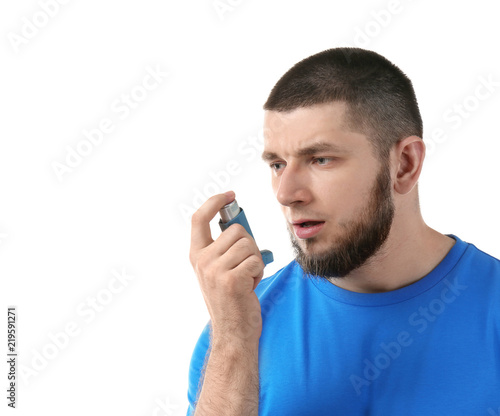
(233, 214)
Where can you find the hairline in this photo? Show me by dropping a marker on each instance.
(348, 120)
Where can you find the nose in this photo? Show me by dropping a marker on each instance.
(292, 187)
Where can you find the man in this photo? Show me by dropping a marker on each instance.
(378, 314)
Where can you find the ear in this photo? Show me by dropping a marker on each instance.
(408, 158)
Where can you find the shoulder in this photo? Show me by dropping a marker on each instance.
(288, 276)
(477, 274)
(479, 261)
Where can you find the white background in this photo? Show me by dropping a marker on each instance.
(125, 206)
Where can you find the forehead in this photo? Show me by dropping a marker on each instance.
(294, 130)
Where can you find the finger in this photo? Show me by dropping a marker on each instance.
(228, 238)
(200, 221)
(251, 268)
(242, 248)
(258, 279)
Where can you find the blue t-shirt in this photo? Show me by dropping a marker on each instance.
(430, 348)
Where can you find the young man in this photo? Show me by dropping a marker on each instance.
(378, 314)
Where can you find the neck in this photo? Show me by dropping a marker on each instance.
(411, 251)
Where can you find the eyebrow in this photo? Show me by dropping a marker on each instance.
(312, 149)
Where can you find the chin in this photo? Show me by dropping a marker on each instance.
(313, 245)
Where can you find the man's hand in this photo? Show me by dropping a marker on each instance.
(228, 270)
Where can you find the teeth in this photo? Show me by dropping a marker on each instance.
(307, 224)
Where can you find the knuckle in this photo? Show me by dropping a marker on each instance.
(256, 263)
(192, 258)
(196, 218)
(237, 229)
(245, 244)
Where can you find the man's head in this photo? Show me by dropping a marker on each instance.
(339, 126)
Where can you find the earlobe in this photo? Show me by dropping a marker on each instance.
(410, 154)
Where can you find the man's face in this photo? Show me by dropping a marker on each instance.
(335, 195)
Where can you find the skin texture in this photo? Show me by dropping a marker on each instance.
(361, 238)
(228, 271)
(339, 187)
(362, 202)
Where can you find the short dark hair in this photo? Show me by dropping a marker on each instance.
(380, 99)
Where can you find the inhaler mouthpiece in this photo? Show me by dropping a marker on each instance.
(232, 214)
(229, 211)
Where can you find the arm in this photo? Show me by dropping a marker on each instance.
(231, 384)
(228, 270)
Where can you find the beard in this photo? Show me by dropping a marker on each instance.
(362, 238)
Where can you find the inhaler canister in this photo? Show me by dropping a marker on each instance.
(233, 214)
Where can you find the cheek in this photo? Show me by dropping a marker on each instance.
(346, 193)
(276, 182)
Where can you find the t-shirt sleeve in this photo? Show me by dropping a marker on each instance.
(196, 367)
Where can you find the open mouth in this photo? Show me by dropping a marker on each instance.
(310, 223)
(307, 229)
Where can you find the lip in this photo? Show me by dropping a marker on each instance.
(301, 220)
(307, 232)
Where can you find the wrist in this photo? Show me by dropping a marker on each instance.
(234, 346)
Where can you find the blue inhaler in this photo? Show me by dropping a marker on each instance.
(233, 214)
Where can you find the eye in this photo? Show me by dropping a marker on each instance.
(322, 161)
(276, 166)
